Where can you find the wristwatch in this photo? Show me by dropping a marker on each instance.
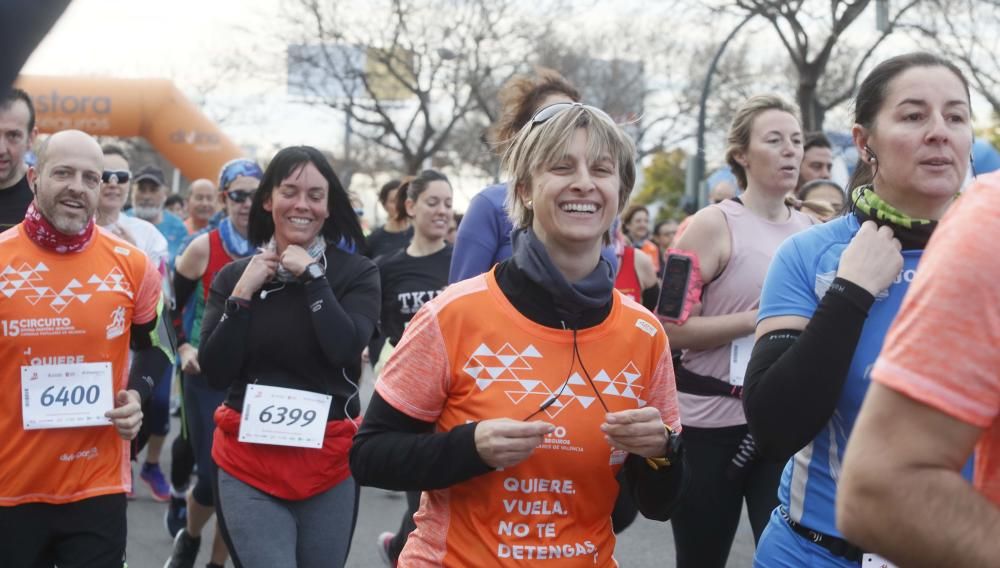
(234, 304)
(312, 272)
(673, 451)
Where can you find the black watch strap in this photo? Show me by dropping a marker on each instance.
(234, 305)
(312, 272)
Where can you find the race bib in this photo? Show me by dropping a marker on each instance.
(284, 417)
(739, 358)
(66, 396)
(875, 561)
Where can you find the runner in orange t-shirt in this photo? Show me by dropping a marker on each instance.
(514, 398)
(73, 298)
(935, 397)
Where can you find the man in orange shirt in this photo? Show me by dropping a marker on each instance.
(73, 298)
(935, 397)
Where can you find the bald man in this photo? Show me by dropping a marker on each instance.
(722, 191)
(76, 298)
(202, 205)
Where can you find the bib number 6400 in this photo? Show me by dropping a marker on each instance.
(74, 396)
(68, 395)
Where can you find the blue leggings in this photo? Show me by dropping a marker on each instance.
(157, 412)
(200, 402)
(780, 547)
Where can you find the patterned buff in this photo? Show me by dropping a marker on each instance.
(913, 234)
(43, 234)
(235, 243)
(236, 168)
(315, 250)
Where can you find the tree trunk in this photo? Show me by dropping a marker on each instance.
(811, 109)
(413, 164)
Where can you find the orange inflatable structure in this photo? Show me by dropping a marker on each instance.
(151, 108)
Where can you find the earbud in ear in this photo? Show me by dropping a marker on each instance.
(870, 155)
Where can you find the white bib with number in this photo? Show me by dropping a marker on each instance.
(739, 358)
(875, 561)
(66, 396)
(284, 417)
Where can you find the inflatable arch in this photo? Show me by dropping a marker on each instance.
(151, 108)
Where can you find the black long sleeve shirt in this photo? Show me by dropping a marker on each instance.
(301, 336)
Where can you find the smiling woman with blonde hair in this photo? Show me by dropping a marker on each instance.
(535, 383)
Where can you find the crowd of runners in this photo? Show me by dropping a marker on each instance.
(547, 367)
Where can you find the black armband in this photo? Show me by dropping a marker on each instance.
(657, 492)
(649, 297)
(794, 379)
(149, 367)
(184, 287)
(850, 292)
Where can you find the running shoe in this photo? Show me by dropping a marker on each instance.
(158, 485)
(384, 542)
(185, 551)
(175, 518)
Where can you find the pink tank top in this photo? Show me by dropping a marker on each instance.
(753, 242)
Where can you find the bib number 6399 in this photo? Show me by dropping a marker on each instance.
(284, 417)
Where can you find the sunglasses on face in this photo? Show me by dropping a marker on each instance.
(548, 112)
(239, 195)
(116, 176)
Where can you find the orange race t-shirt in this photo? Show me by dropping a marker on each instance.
(64, 309)
(943, 349)
(469, 355)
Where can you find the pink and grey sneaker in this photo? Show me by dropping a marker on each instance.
(384, 542)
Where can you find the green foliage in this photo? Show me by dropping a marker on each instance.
(663, 183)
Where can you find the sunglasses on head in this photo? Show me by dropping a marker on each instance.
(239, 195)
(116, 176)
(548, 112)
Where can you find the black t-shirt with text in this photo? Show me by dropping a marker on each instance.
(409, 282)
(14, 203)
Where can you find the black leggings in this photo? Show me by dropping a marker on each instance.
(706, 520)
(181, 453)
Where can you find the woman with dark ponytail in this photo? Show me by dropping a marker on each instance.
(831, 293)
(410, 278)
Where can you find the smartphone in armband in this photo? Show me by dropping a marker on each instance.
(677, 275)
